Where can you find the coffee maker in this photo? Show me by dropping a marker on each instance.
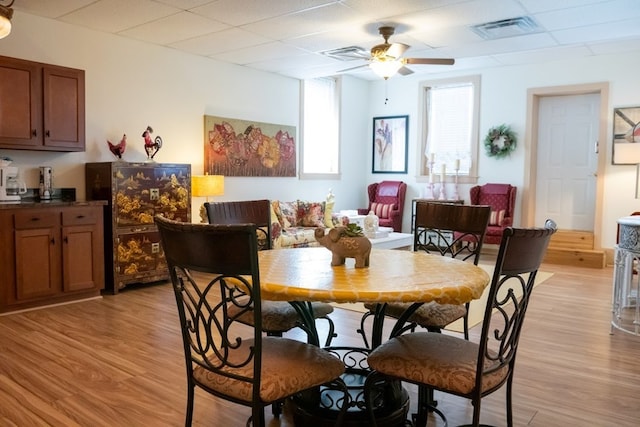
(9, 184)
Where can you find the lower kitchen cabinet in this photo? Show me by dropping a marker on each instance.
(50, 255)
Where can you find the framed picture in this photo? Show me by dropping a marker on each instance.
(238, 147)
(626, 136)
(390, 140)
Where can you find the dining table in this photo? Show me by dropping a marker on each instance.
(303, 275)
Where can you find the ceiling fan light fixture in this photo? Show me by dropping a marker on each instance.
(6, 13)
(385, 69)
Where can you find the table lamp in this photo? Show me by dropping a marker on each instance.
(206, 186)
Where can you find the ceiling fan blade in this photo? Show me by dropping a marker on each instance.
(430, 61)
(404, 71)
(396, 50)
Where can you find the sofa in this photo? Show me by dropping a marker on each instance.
(293, 223)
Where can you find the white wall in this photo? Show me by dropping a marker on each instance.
(130, 85)
(504, 100)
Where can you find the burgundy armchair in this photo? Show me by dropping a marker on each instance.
(386, 200)
(502, 199)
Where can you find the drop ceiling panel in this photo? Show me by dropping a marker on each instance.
(238, 13)
(117, 15)
(326, 18)
(221, 41)
(593, 14)
(260, 53)
(174, 28)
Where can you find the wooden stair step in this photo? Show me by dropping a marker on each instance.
(572, 239)
(575, 257)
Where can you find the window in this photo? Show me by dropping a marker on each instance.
(450, 127)
(320, 128)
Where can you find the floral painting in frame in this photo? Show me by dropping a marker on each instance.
(236, 147)
(390, 139)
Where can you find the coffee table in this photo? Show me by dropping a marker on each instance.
(394, 241)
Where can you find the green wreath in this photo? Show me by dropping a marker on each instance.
(500, 141)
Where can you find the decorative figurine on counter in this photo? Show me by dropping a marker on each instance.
(118, 149)
(151, 146)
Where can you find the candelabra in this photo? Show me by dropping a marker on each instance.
(430, 194)
(442, 195)
(456, 195)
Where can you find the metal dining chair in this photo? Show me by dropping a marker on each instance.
(278, 317)
(453, 365)
(445, 229)
(214, 271)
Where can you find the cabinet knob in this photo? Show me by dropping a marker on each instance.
(47, 134)
(34, 132)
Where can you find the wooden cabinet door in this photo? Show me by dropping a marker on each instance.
(37, 263)
(20, 104)
(82, 249)
(64, 121)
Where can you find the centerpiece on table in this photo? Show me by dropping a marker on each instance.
(346, 242)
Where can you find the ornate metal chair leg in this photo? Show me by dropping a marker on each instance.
(361, 330)
(332, 331)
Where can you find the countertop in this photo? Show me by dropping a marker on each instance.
(24, 204)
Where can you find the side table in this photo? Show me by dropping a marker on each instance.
(626, 281)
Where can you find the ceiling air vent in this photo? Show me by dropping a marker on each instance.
(347, 53)
(507, 28)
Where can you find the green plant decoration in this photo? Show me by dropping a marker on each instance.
(500, 141)
(354, 230)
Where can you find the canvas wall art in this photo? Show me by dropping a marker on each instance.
(626, 135)
(236, 147)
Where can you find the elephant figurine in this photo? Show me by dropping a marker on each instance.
(343, 246)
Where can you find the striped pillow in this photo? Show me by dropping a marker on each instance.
(496, 217)
(382, 210)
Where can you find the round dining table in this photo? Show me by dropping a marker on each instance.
(303, 275)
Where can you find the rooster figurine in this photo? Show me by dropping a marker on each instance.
(118, 149)
(151, 146)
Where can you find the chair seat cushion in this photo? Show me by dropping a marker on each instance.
(288, 366)
(441, 361)
(279, 316)
(430, 314)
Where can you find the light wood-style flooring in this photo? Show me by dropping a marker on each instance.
(117, 361)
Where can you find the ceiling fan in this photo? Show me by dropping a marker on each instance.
(386, 58)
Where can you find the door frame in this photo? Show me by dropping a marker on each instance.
(531, 148)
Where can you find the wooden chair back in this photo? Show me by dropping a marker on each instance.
(256, 212)
(450, 229)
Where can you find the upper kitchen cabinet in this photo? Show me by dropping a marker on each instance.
(41, 106)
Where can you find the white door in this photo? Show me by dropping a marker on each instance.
(567, 161)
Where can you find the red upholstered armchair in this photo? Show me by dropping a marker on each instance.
(502, 199)
(386, 200)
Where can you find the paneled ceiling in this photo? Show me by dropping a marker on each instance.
(288, 36)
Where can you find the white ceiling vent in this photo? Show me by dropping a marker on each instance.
(347, 53)
(507, 28)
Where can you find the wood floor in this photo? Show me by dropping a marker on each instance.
(117, 361)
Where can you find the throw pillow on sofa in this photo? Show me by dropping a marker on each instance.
(311, 214)
(288, 214)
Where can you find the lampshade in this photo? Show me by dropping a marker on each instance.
(385, 68)
(6, 13)
(207, 185)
